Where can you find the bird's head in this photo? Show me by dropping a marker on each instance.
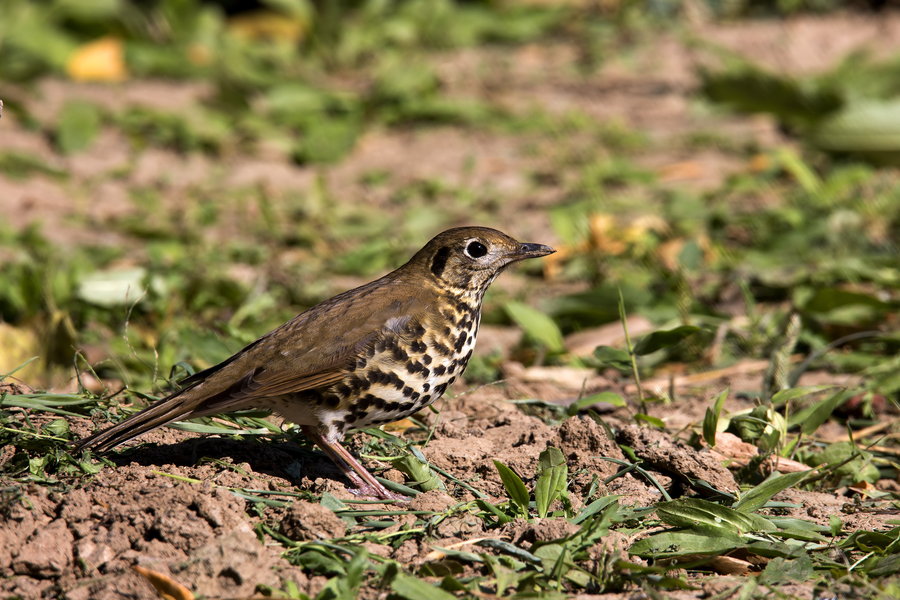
(468, 259)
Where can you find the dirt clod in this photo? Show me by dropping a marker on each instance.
(308, 521)
(47, 553)
(675, 458)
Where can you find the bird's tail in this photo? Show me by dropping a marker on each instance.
(171, 408)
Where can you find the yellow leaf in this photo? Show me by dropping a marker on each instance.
(17, 346)
(399, 426)
(267, 25)
(100, 60)
(166, 587)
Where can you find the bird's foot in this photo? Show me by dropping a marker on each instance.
(381, 492)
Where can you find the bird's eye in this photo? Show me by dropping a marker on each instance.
(476, 250)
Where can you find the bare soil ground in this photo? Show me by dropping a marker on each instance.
(82, 544)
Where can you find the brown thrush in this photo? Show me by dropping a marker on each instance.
(372, 355)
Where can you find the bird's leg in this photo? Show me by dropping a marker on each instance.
(365, 482)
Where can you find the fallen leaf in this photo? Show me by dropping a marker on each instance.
(728, 565)
(681, 171)
(100, 60)
(583, 343)
(166, 587)
(400, 426)
(738, 453)
(18, 345)
(864, 488)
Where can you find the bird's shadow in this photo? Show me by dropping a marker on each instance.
(286, 459)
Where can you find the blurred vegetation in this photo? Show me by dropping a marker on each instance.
(792, 259)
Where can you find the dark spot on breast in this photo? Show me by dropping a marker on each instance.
(451, 380)
(440, 260)
(426, 398)
(407, 391)
(413, 367)
(364, 402)
(343, 390)
(377, 376)
(351, 418)
(440, 370)
(399, 354)
(332, 400)
(395, 380)
(442, 349)
(415, 396)
(461, 341)
(358, 384)
(440, 389)
(379, 403)
(426, 359)
(338, 425)
(426, 387)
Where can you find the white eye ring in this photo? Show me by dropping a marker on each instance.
(475, 249)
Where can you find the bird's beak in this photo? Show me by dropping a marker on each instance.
(531, 251)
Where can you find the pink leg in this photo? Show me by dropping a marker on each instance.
(365, 482)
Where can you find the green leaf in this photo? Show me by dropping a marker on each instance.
(486, 506)
(537, 326)
(515, 487)
(664, 339)
(595, 507)
(414, 588)
(886, 565)
(419, 471)
(322, 561)
(751, 426)
(849, 463)
(327, 139)
(676, 543)
(711, 419)
(613, 357)
(700, 514)
(57, 427)
(603, 397)
(752, 90)
(780, 570)
(758, 496)
(79, 124)
(867, 127)
(331, 502)
(843, 307)
(822, 410)
(650, 420)
(552, 479)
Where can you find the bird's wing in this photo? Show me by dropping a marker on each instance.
(308, 352)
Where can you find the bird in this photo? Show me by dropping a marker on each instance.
(369, 356)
